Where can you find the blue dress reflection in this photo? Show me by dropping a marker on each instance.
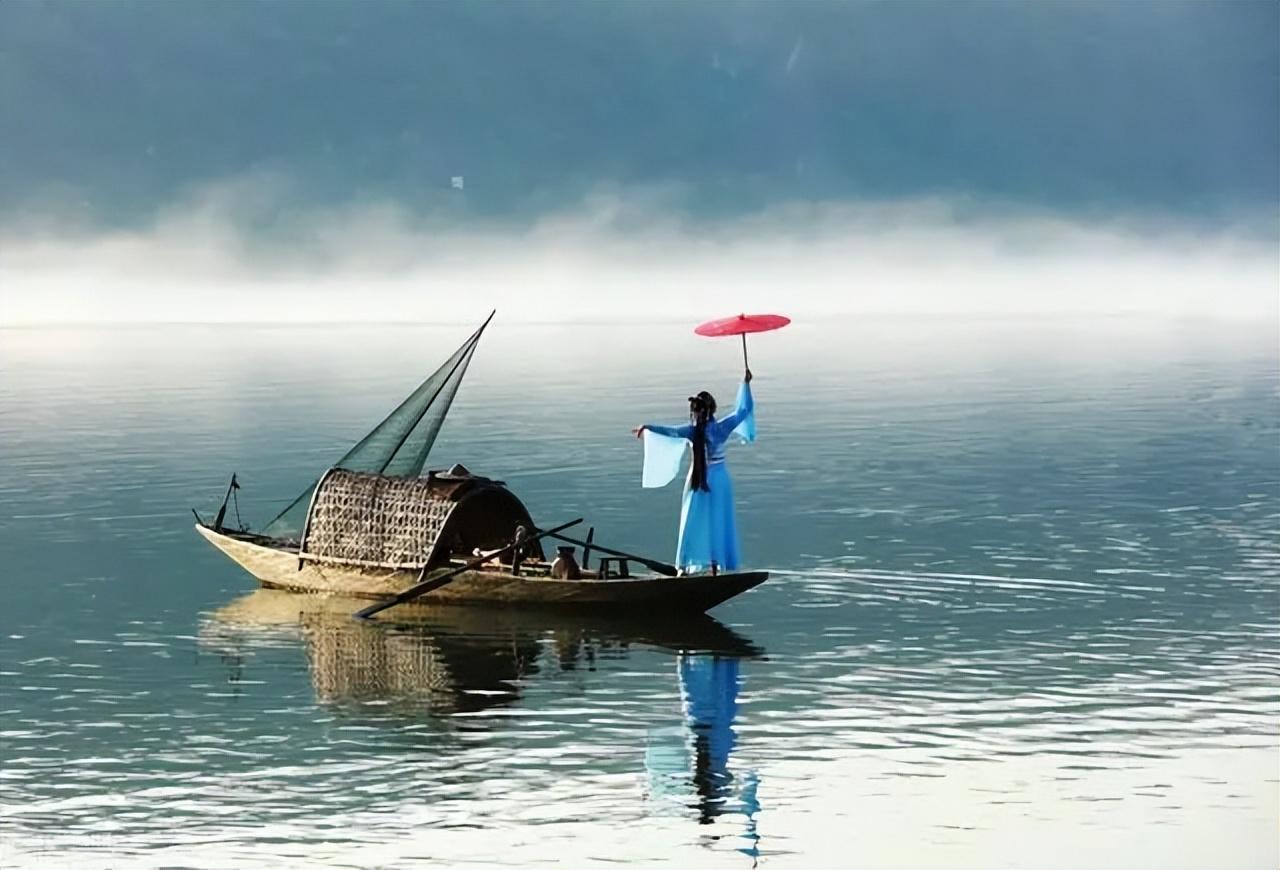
(709, 696)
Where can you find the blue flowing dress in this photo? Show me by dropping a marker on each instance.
(708, 533)
(692, 765)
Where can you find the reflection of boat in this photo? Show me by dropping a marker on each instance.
(372, 527)
(445, 659)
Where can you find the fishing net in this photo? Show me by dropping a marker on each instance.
(398, 446)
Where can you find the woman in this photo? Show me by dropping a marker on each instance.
(708, 535)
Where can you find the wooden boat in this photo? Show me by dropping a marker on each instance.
(278, 566)
(374, 527)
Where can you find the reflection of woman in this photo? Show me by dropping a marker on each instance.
(708, 533)
(709, 695)
(710, 690)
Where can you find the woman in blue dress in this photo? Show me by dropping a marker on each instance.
(708, 534)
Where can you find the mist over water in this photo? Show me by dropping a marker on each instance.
(562, 162)
(213, 260)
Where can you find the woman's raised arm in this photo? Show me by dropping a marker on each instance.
(746, 405)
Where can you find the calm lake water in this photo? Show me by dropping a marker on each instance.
(1025, 610)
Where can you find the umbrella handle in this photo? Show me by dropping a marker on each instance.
(744, 351)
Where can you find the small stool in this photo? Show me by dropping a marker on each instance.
(624, 566)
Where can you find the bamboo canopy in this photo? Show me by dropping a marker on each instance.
(408, 523)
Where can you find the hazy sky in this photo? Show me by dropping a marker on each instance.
(119, 105)
(176, 141)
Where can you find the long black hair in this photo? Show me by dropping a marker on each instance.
(701, 409)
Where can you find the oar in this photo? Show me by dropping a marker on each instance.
(436, 582)
(660, 567)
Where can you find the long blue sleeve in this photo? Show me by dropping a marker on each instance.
(743, 416)
(672, 431)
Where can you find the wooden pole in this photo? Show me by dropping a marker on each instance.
(222, 511)
(586, 549)
(660, 567)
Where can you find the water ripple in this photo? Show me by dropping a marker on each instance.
(1025, 608)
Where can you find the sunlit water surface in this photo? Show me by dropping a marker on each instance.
(1024, 609)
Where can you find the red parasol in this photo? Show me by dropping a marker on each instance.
(741, 325)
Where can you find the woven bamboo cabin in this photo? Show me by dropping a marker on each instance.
(373, 521)
(375, 526)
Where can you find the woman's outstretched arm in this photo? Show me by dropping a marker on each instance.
(685, 431)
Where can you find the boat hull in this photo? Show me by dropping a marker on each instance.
(281, 569)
